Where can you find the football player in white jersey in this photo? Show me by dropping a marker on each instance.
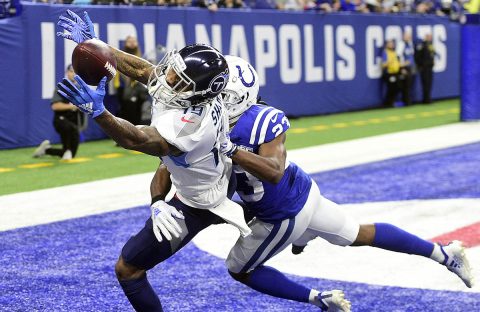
(188, 123)
(287, 203)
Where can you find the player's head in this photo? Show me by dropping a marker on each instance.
(189, 77)
(242, 88)
(390, 44)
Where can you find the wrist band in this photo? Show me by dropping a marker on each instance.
(157, 198)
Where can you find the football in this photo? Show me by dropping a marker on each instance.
(92, 60)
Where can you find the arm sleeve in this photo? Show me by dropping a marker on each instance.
(274, 124)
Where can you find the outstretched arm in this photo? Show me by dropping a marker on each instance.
(79, 30)
(143, 138)
(269, 164)
(133, 66)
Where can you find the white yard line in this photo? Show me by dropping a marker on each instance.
(381, 147)
(73, 201)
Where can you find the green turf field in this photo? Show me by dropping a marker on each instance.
(19, 172)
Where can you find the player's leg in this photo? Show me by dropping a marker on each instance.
(70, 139)
(143, 251)
(334, 225)
(245, 261)
(62, 130)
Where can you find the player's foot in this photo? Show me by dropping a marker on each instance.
(67, 155)
(334, 301)
(296, 250)
(40, 151)
(456, 261)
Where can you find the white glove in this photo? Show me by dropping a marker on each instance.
(163, 219)
(227, 148)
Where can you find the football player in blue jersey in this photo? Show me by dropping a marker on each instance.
(287, 203)
(288, 206)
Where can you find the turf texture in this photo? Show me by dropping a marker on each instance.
(19, 172)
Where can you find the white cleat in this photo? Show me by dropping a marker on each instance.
(334, 301)
(456, 261)
(40, 151)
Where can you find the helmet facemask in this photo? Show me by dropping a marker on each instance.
(179, 88)
(235, 104)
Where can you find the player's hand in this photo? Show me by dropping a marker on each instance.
(86, 99)
(78, 30)
(163, 219)
(227, 148)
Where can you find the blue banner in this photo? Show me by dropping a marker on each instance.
(308, 63)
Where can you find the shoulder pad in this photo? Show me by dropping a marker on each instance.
(269, 123)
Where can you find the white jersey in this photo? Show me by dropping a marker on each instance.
(200, 173)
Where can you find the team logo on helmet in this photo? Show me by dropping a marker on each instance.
(240, 75)
(219, 82)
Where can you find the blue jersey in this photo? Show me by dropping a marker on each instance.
(267, 201)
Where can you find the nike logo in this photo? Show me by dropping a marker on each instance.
(274, 118)
(186, 120)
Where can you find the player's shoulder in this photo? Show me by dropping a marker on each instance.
(182, 128)
(264, 122)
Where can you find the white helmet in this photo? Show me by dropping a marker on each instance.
(242, 88)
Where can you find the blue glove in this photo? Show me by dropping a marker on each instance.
(86, 99)
(77, 29)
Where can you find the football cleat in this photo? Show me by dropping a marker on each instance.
(334, 301)
(67, 155)
(456, 261)
(296, 250)
(40, 151)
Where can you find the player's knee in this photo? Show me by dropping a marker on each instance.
(366, 235)
(239, 277)
(125, 271)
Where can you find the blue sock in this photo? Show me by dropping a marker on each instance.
(392, 238)
(141, 295)
(274, 283)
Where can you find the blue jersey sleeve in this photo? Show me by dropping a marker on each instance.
(268, 126)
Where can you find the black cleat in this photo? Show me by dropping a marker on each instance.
(296, 250)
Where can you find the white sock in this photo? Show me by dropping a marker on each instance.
(437, 254)
(313, 298)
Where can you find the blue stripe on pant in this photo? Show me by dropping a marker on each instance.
(264, 246)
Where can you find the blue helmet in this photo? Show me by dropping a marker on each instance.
(200, 73)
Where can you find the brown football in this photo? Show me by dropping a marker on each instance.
(92, 60)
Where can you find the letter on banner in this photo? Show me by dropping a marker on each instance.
(345, 38)
(149, 43)
(48, 59)
(289, 36)
(329, 53)
(312, 73)
(175, 37)
(373, 45)
(439, 39)
(265, 49)
(201, 35)
(117, 32)
(238, 43)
